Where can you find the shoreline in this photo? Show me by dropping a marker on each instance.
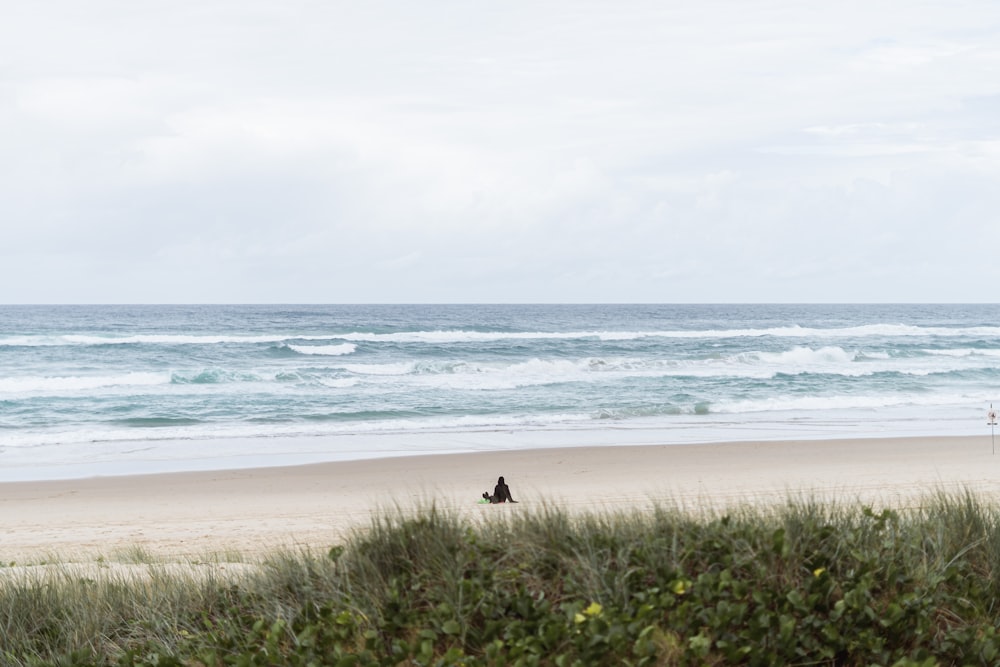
(252, 511)
(129, 457)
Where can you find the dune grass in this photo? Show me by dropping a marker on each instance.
(807, 583)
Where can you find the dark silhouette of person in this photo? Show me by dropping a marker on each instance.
(501, 493)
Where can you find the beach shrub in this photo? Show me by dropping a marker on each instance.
(807, 583)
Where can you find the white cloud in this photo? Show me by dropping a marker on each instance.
(388, 151)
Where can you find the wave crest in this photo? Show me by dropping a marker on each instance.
(213, 376)
(63, 384)
(324, 350)
(458, 336)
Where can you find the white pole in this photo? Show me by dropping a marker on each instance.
(992, 417)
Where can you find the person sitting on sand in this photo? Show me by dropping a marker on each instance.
(501, 493)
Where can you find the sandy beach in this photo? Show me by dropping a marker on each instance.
(201, 514)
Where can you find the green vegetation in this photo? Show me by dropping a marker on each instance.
(809, 583)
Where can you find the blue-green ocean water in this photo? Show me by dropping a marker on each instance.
(106, 389)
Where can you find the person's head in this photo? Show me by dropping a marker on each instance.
(500, 481)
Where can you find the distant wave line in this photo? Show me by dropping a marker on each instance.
(463, 336)
(471, 336)
(324, 350)
(29, 384)
(832, 361)
(151, 339)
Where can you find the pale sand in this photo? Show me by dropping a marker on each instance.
(204, 514)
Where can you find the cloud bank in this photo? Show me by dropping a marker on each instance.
(465, 152)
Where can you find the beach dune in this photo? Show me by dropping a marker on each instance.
(253, 511)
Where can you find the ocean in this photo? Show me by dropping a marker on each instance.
(104, 390)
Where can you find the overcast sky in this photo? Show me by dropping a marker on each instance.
(341, 152)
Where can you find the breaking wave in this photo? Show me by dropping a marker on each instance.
(441, 337)
(325, 350)
(69, 384)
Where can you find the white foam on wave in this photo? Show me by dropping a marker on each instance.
(833, 360)
(208, 381)
(325, 350)
(461, 375)
(483, 375)
(827, 360)
(442, 337)
(65, 384)
(964, 352)
(803, 356)
(864, 402)
(401, 368)
(533, 372)
(868, 355)
(217, 376)
(148, 339)
(830, 360)
(339, 383)
(466, 336)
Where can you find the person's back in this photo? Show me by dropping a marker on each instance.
(501, 493)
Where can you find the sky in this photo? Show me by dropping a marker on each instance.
(292, 151)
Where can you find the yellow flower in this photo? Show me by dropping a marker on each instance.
(593, 610)
(819, 571)
(579, 618)
(680, 587)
